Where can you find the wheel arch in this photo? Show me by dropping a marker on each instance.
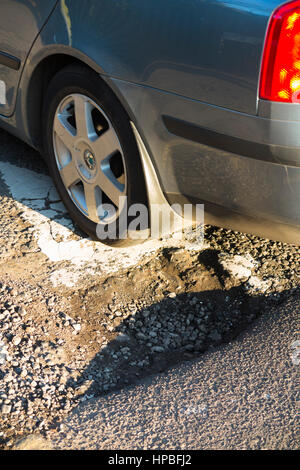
(40, 76)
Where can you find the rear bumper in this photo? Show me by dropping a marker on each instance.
(223, 217)
(275, 209)
(265, 150)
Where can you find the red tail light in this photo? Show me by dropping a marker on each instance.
(280, 76)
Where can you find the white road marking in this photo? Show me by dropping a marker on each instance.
(2, 92)
(55, 236)
(54, 233)
(239, 267)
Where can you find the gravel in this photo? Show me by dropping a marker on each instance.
(62, 344)
(50, 361)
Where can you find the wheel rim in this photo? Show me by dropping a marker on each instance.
(89, 158)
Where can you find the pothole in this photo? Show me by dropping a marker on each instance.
(174, 307)
(59, 348)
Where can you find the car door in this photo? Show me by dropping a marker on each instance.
(20, 23)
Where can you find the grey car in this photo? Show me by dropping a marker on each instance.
(151, 101)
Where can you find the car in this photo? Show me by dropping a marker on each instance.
(154, 102)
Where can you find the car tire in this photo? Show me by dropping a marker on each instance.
(92, 154)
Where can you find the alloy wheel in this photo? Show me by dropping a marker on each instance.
(89, 158)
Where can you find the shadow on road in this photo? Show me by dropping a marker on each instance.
(173, 330)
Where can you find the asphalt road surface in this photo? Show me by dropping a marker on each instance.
(239, 396)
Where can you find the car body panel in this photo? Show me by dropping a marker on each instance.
(203, 77)
(248, 185)
(164, 44)
(20, 23)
